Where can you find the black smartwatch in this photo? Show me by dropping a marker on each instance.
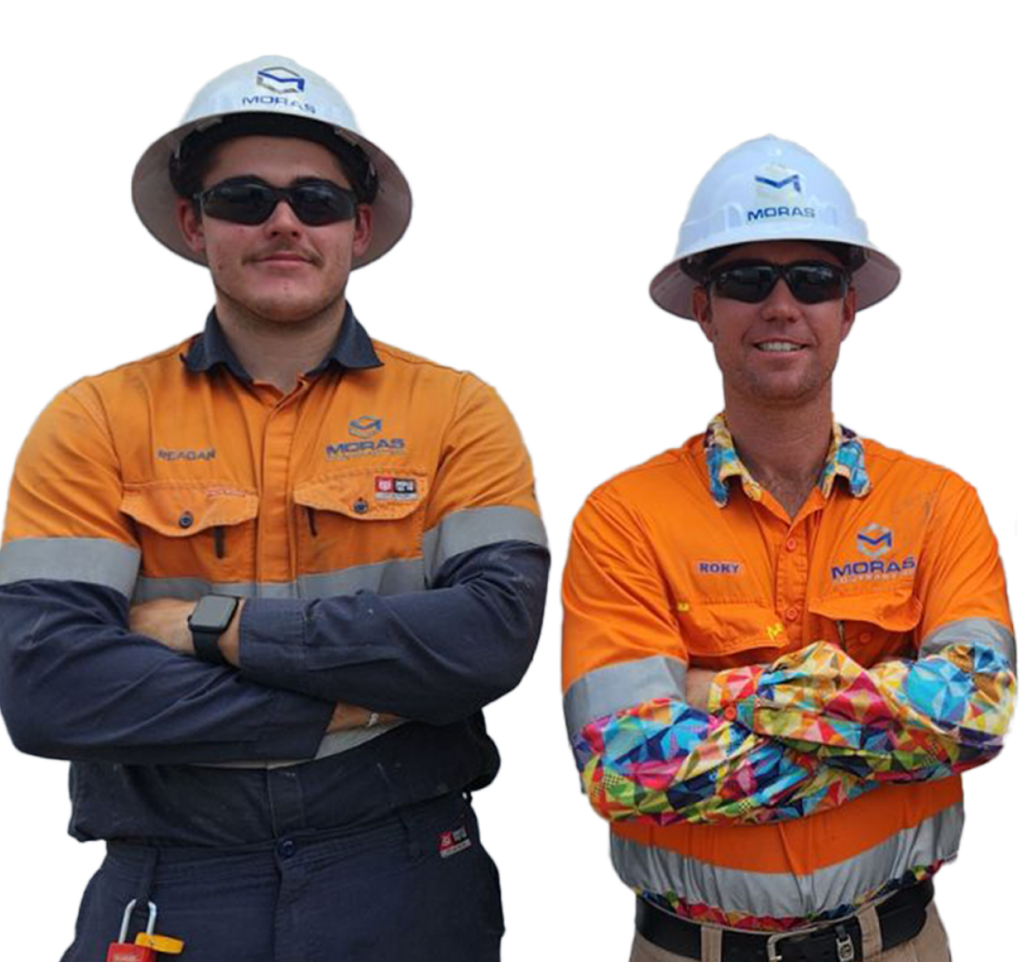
(209, 620)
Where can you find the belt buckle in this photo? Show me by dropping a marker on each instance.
(845, 950)
(774, 940)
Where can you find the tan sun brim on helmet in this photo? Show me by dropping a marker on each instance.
(268, 84)
(875, 279)
(156, 200)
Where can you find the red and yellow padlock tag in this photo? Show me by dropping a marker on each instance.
(147, 944)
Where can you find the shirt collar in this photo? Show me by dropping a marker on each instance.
(352, 349)
(845, 459)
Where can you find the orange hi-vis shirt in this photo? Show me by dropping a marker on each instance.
(381, 521)
(865, 657)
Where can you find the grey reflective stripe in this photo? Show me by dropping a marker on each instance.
(785, 894)
(385, 577)
(465, 530)
(983, 631)
(333, 744)
(95, 561)
(606, 690)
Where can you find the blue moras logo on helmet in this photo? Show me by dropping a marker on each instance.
(779, 184)
(281, 80)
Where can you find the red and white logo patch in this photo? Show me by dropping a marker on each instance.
(386, 487)
(451, 843)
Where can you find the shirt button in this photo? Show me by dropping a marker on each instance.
(864, 637)
(792, 614)
(286, 849)
(185, 521)
(791, 544)
(360, 507)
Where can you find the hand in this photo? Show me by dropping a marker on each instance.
(348, 717)
(698, 687)
(164, 620)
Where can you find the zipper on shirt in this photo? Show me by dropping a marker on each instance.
(218, 540)
(311, 515)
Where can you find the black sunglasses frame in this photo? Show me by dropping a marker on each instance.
(250, 201)
(809, 281)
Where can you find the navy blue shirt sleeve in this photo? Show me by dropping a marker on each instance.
(435, 656)
(76, 683)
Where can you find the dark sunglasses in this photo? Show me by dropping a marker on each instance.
(244, 200)
(811, 282)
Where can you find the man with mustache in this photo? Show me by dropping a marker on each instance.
(258, 587)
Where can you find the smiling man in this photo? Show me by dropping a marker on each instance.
(782, 642)
(258, 587)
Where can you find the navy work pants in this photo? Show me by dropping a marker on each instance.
(416, 886)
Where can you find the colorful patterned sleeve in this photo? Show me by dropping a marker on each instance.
(668, 762)
(900, 720)
(641, 750)
(903, 719)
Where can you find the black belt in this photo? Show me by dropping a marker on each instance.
(900, 918)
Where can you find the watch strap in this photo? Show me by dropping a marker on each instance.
(207, 646)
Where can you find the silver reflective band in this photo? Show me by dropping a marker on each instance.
(786, 894)
(606, 690)
(969, 631)
(115, 565)
(384, 577)
(95, 561)
(465, 530)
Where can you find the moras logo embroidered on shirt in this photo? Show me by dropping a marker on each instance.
(367, 428)
(874, 541)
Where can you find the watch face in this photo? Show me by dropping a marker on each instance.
(213, 613)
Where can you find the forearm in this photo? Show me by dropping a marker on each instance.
(668, 761)
(900, 720)
(76, 683)
(435, 656)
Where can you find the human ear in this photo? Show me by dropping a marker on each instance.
(190, 223)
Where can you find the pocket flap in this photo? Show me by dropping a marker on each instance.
(898, 611)
(178, 510)
(366, 496)
(730, 628)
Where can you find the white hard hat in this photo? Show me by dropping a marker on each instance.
(266, 95)
(764, 190)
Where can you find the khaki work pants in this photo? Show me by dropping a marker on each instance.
(931, 944)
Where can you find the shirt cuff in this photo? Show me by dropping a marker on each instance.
(733, 694)
(272, 639)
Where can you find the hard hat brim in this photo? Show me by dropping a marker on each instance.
(155, 199)
(672, 288)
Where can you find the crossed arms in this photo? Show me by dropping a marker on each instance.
(79, 681)
(770, 742)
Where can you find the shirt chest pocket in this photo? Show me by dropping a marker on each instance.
(365, 520)
(203, 530)
(871, 626)
(726, 634)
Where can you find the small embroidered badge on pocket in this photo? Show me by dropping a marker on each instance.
(451, 843)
